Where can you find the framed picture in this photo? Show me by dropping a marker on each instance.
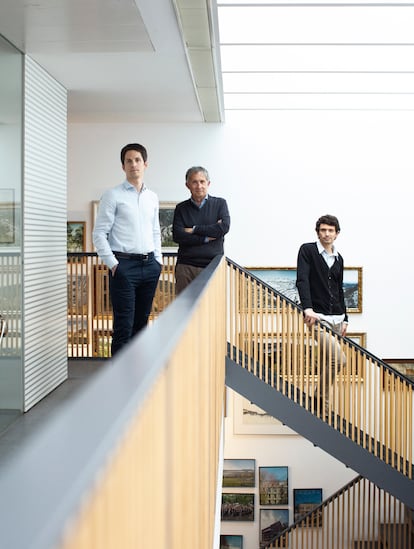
(304, 501)
(166, 213)
(360, 338)
(283, 279)
(94, 214)
(249, 419)
(404, 366)
(273, 485)
(272, 523)
(237, 507)
(7, 217)
(238, 473)
(76, 236)
(231, 541)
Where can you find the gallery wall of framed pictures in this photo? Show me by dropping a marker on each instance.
(260, 494)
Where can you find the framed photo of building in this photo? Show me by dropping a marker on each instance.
(76, 236)
(237, 507)
(231, 541)
(272, 523)
(239, 473)
(304, 501)
(166, 213)
(273, 485)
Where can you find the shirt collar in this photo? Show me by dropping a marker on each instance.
(202, 203)
(128, 186)
(322, 250)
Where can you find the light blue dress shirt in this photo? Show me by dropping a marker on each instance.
(127, 221)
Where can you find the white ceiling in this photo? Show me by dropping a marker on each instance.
(161, 60)
(120, 60)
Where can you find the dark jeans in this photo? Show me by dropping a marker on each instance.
(132, 290)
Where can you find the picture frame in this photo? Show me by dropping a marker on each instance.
(283, 279)
(272, 523)
(404, 366)
(273, 485)
(231, 541)
(250, 419)
(7, 217)
(76, 236)
(237, 507)
(239, 473)
(166, 215)
(94, 215)
(304, 501)
(360, 338)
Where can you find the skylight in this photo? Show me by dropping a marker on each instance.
(317, 55)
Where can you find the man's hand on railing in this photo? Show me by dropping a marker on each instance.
(310, 317)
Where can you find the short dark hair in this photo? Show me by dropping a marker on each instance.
(328, 220)
(196, 169)
(134, 147)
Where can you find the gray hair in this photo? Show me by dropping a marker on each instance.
(196, 169)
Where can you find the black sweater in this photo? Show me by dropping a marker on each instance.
(192, 247)
(320, 287)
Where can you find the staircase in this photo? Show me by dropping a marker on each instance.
(275, 361)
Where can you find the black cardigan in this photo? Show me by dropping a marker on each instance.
(320, 287)
(192, 247)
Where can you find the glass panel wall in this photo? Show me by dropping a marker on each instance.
(11, 108)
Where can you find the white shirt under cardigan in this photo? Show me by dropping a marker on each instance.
(330, 260)
(127, 221)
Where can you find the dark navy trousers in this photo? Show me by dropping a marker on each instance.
(132, 290)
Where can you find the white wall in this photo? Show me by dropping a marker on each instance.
(279, 172)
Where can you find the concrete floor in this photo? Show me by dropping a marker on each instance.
(15, 427)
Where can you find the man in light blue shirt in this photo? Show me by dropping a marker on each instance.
(127, 238)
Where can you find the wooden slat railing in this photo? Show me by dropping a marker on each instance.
(10, 303)
(89, 303)
(359, 516)
(369, 402)
(132, 460)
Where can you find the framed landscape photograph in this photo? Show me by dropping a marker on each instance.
(231, 541)
(7, 217)
(166, 213)
(283, 279)
(76, 236)
(250, 419)
(273, 485)
(239, 473)
(272, 523)
(304, 501)
(237, 507)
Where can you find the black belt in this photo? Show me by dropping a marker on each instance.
(138, 257)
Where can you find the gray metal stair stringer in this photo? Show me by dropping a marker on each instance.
(318, 432)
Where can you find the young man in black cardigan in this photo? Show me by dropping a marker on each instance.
(320, 270)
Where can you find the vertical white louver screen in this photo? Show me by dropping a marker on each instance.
(44, 234)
